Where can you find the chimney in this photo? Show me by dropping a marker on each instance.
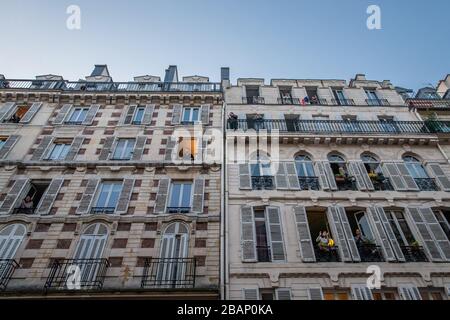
(171, 74)
(225, 76)
(360, 77)
(2, 77)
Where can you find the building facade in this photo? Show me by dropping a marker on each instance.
(329, 182)
(105, 189)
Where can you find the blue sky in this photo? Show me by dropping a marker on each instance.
(255, 38)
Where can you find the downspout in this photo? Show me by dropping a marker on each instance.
(223, 238)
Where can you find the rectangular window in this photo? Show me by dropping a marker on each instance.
(138, 115)
(17, 114)
(191, 115)
(32, 196)
(400, 227)
(180, 197)
(108, 196)
(2, 142)
(59, 151)
(339, 96)
(78, 115)
(124, 149)
(187, 148)
(262, 239)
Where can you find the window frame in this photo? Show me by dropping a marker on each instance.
(64, 150)
(122, 156)
(179, 203)
(190, 111)
(99, 192)
(83, 110)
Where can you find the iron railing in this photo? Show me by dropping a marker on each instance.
(370, 253)
(263, 182)
(428, 103)
(169, 273)
(178, 209)
(77, 274)
(426, 184)
(414, 254)
(253, 100)
(343, 102)
(309, 183)
(381, 183)
(326, 254)
(63, 85)
(377, 102)
(24, 210)
(288, 100)
(346, 183)
(105, 210)
(7, 268)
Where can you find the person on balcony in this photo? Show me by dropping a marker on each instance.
(233, 120)
(27, 205)
(360, 239)
(323, 241)
(314, 100)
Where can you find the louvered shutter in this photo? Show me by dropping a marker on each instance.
(281, 179)
(171, 143)
(436, 232)
(162, 195)
(106, 150)
(176, 113)
(390, 171)
(292, 176)
(74, 148)
(125, 196)
(6, 110)
(128, 118)
(248, 236)
(283, 294)
(357, 170)
(318, 166)
(49, 196)
(88, 196)
(409, 293)
(8, 145)
(139, 148)
(304, 235)
(201, 149)
(41, 151)
(245, 180)
(10, 239)
(380, 234)
(409, 180)
(250, 294)
(390, 233)
(361, 292)
(441, 178)
(348, 234)
(197, 201)
(338, 233)
(148, 114)
(14, 195)
(62, 114)
(276, 234)
(330, 175)
(315, 294)
(31, 112)
(91, 114)
(204, 114)
(429, 243)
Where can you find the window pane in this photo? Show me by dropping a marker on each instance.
(255, 170)
(175, 195)
(119, 149)
(103, 195)
(2, 142)
(64, 151)
(300, 169)
(115, 193)
(139, 115)
(187, 114)
(195, 114)
(75, 114)
(129, 148)
(309, 169)
(186, 196)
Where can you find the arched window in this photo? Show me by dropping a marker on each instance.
(92, 242)
(174, 242)
(304, 166)
(338, 165)
(415, 168)
(10, 239)
(371, 163)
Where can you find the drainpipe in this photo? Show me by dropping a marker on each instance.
(223, 220)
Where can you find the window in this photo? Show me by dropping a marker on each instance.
(252, 91)
(78, 115)
(18, 114)
(138, 115)
(262, 241)
(32, 196)
(383, 295)
(59, 151)
(372, 98)
(107, 197)
(443, 219)
(371, 164)
(286, 95)
(335, 295)
(304, 166)
(400, 227)
(415, 168)
(11, 237)
(2, 142)
(180, 197)
(124, 149)
(339, 96)
(338, 165)
(191, 115)
(363, 225)
(187, 148)
(311, 92)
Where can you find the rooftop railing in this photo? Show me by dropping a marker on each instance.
(428, 103)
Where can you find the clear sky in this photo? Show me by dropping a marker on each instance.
(255, 38)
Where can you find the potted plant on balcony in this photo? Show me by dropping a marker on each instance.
(339, 177)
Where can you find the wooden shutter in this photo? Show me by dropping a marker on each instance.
(91, 114)
(62, 114)
(409, 180)
(197, 201)
(14, 195)
(304, 235)
(31, 112)
(41, 151)
(348, 233)
(128, 118)
(390, 233)
(250, 294)
(74, 148)
(330, 175)
(8, 145)
(429, 243)
(292, 176)
(162, 195)
(318, 166)
(49, 196)
(283, 294)
(139, 148)
(436, 232)
(125, 196)
(6, 109)
(276, 234)
(409, 293)
(204, 114)
(248, 235)
(148, 114)
(176, 113)
(380, 234)
(281, 179)
(106, 150)
(245, 180)
(315, 293)
(357, 170)
(441, 178)
(338, 233)
(88, 196)
(361, 292)
(390, 171)
(171, 143)
(10, 239)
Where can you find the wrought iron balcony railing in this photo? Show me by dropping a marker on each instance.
(263, 182)
(382, 183)
(297, 101)
(288, 100)
(121, 158)
(178, 209)
(428, 103)
(104, 210)
(346, 183)
(309, 183)
(335, 126)
(23, 210)
(64, 274)
(326, 254)
(63, 85)
(343, 102)
(370, 253)
(253, 100)
(377, 102)
(171, 273)
(414, 254)
(426, 184)
(7, 267)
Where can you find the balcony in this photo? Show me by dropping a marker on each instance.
(120, 158)
(178, 209)
(414, 254)
(263, 182)
(335, 126)
(24, 210)
(288, 100)
(377, 102)
(102, 210)
(326, 255)
(426, 184)
(73, 123)
(253, 100)
(297, 101)
(91, 271)
(381, 183)
(7, 267)
(346, 183)
(342, 102)
(370, 253)
(309, 183)
(171, 273)
(429, 104)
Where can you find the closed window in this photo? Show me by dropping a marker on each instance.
(304, 166)
(415, 168)
(124, 149)
(78, 115)
(138, 115)
(443, 219)
(59, 151)
(108, 194)
(191, 114)
(261, 167)
(10, 239)
(180, 197)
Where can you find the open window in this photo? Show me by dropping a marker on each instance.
(252, 95)
(187, 148)
(286, 95)
(305, 171)
(375, 173)
(31, 197)
(443, 217)
(419, 174)
(59, 149)
(340, 171)
(325, 249)
(16, 114)
(312, 95)
(261, 172)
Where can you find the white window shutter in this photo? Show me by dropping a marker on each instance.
(304, 235)
(6, 109)
(128, 118)
(176, 113)
(355, 172)
(170, 146)
(74, 148)
(338, 233)
(41, 151)
(148, 114)
(198, 195)
(125, 196)
(107, 147)
(62, 114)
(14, 195)
(245, 179)
(248, 234)
(91, 114)
(390, 171)
(409, 292)
(162, 196)
(292, 176)
(380, 234)
(281, 179)
(139, 146)
(8, 145)
(88, 196)
(31, 112)
(204, 114)
(409, 180)
(438, 173)
(361, 292)
(250, 294)
(273, 219)
(49, 196)
(283, 294)
(315, 293)
(437, 232)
